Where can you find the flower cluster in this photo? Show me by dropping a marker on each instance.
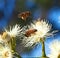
(29, 35)
(8, 41)
(5, 50)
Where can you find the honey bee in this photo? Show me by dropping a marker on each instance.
(29, 32)
(24, 15)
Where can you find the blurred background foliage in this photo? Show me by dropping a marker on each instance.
(38, 8)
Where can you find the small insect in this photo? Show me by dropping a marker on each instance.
(24, 15)
(29, 32)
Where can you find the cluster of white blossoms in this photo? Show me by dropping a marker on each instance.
(54, 49)
(33, 35)
(5, 52)
(5, 48)
(14, 31)
(43, 30)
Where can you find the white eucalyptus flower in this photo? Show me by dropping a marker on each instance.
(14, 31)
(5, 51)
(37, 31)
(54, 49)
